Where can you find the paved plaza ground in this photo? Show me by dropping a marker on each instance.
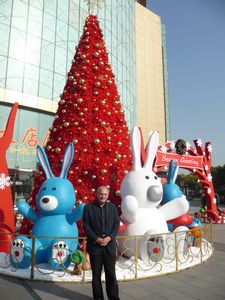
(206, 281)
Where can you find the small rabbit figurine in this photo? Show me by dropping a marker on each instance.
(142, 192)
(56, 218)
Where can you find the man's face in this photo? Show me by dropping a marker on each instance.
(102, 195)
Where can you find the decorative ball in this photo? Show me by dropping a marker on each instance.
(108, 138)
(56, 117)
(117, 193)
(116, 102)
(96, 54)
(108, 113)
(93, 176)
(71, 172)
(107, 94)
(64, 111)
(95, 129)
(79, 100)
(75, 141)
(59, 139)
(66, 124)
(84, 150)
(97, 83)
(57, 150)
(97, 141)
(85, 173)
(102, 102)
(118, 155)
(49, 147)
(79, 181)
(103, 171)
(81, 81)
(95, 93)
(109, 81)
(86, 40)
(96, 108)
(76, 123)
(201, 210)
(84, 88)
(103, 123)
(54, 129)
(71, 77)
(119, 144)
(95, 67)
(92, 190)
(125, 172)
(96, 158)
(83, 56)
(84, 132)
(62, 101)
(101, 63)
(81, 113)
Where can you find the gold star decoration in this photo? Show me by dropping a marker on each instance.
(91, 4)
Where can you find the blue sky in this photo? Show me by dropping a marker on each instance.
(196, 68)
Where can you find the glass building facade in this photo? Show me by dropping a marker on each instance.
(37, 45)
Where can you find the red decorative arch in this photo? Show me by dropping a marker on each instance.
(197, 161)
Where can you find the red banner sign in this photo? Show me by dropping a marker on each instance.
(184, 161)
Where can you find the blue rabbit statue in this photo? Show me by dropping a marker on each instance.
(172, 192)
(55, 220)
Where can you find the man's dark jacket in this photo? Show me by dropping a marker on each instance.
(92, 221)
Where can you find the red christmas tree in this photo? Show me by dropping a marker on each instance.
(91, 116)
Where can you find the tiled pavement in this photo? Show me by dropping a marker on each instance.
(206, 281)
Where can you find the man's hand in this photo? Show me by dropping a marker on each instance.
(103, 242)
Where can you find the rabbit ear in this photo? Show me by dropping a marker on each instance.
(151, 149)
(136, 148)
(67, 160)
(175, 172)
(170, 172)
(42, 157)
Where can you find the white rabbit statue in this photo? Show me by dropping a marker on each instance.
(142, 192)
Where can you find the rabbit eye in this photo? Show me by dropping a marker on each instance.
(54, 188)
(44, 189)
(147, 177)
(155, 177)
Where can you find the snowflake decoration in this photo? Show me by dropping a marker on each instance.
(214, 200)
(4, 181)
(188, 145)
(209, 147)
(209, 191)
(199, 142)
(163, 149)
(209, 177)
(172, 145)
(206, 167)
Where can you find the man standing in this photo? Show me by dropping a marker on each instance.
(101, 223)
